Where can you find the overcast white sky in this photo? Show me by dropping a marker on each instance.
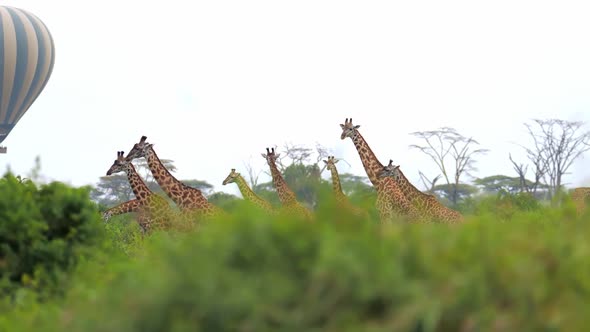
(213, 83)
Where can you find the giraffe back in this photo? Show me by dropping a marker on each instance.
(426, 204)
(580, 197)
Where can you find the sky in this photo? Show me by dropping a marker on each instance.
(213, 83)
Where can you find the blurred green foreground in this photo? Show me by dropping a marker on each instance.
(513, 266)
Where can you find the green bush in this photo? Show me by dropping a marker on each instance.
(44, 231)
(250, 272)
(503, 205)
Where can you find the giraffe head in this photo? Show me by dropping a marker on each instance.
(270, 156)
(331, 163)
(120, 164)
(348, 129)
(233, 175)
(139, 150)
(390, 170)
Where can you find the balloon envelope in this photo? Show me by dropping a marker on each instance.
(27, 56)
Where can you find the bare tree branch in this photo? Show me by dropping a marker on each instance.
(445, 142)
(556, 145)
(428, 184)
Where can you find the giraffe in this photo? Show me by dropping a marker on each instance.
(158, 211)
(289, 202)
(580, 198)
(341, 200)
(391, 202)
(187, 198)
(126, 207)
(427, 205)
(247, 192)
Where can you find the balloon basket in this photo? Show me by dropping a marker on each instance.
(2, 149)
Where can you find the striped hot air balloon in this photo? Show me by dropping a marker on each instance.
(27, 56)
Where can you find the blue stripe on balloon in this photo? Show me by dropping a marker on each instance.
(52, 61)
(41, 59)
(21, 61)
(1, 66)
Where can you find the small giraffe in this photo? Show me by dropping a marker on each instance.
(187, 198)
(289, 202)
(133, 205)
(159, 213)
(126, 207)
(247, 192)
(580, 197)
(341, 199)
(427, 205)
(391, 202)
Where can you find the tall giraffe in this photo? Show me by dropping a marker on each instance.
(159, 212)
(580, 197)
(341, 200)
(187, 198)
(247, 192)
(289, 202)
(391, 202)
(430, 208)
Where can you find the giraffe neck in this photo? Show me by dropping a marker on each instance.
(370, 162)
(248, 193)
(336, 186)
(169, 184)
(286, 196)
(126, 207)
(140, 189)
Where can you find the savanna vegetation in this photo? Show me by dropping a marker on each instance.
(519, 262)
(515, 264)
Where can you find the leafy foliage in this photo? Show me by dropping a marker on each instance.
(44, 231)
(251, 272)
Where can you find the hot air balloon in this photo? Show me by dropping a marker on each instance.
(27, 56)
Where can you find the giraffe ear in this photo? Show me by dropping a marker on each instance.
(357, 126)
(263, 155)
(277, 155)
(342, 126)
(325, 162)
(336, 160)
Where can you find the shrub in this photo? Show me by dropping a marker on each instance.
(253, 273)
(43, 232)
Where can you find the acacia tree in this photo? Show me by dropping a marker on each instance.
(557, 144)
(540, 168)
(453, 154)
